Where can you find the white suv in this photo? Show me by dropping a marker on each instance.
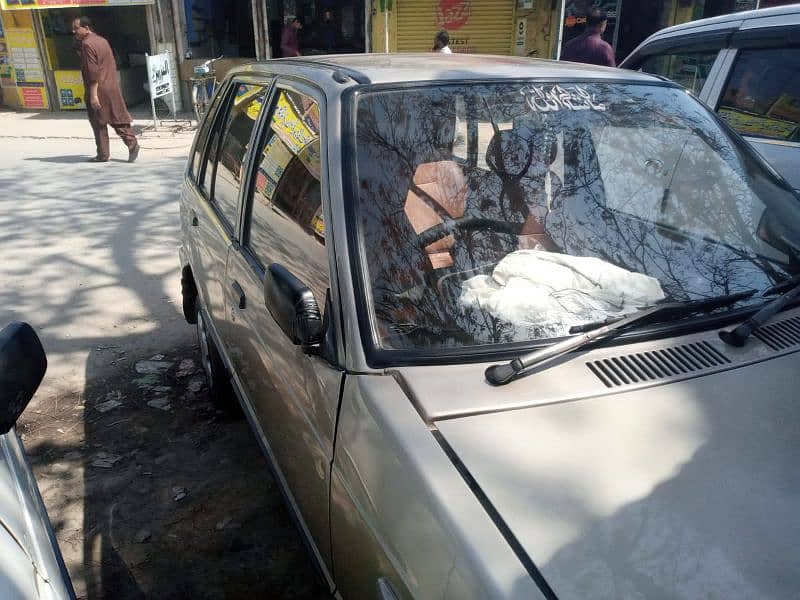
(746, 66)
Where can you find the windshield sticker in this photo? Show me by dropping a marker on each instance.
(542, 98)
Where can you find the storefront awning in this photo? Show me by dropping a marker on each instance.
(37, 4)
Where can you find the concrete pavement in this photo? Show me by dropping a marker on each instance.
(160, 495)
(89, 249)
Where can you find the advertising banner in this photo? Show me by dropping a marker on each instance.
(159, 75)
(71, 93)
(38, 4)
(26, 70)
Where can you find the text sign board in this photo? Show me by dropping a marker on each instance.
(42, 4)
(159, 75)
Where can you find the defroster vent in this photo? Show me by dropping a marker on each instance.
(781, 335)
(644, 367)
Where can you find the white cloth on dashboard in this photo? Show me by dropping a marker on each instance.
(556, 291)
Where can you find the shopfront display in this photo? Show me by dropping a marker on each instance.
(39, 61)
(485, 27)
(22, 75)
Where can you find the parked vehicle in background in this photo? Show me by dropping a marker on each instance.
(31, 566)
(746, 66)
(489, 319)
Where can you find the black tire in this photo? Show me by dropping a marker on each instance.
(189, 296)
(220, 389)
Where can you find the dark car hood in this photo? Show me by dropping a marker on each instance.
(686, 489)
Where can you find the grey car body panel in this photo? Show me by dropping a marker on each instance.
(446, 392)
(685, 490)
(782, 156)
(400, 507)
(30, 562)
(421, 67)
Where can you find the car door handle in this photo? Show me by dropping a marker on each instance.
(195, 222)
(238, 291)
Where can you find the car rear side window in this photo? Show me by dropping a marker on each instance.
(762, 96)
(197, 157)
(245, 109)
(287, 224)
(688, 69)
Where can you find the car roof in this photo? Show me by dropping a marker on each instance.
(429, 66)
(771, 17)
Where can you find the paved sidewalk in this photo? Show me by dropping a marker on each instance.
(73, 125)
(151, 491)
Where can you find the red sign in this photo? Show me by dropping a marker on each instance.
(452, 14)
(33, 97)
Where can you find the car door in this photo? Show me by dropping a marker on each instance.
(691, 68)
(760, 98)
(292, 396)
(211, 209)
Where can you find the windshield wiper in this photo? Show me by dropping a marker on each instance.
(502, 374)
(738, 336)
(677, 309)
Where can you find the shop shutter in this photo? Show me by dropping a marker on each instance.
(475, 26)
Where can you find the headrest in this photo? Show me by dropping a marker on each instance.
(509, 154)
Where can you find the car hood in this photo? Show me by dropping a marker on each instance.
(688, 488)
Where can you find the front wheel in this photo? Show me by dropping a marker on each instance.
(199, 100)
(219, 385)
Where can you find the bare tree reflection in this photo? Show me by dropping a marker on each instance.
(641, 177)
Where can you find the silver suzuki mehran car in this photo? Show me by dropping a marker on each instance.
(505, 328)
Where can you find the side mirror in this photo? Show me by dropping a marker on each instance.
(293, 306)
(22, 366)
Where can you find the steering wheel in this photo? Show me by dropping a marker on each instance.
(467, 223)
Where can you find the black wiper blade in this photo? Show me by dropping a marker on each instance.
(502, 374)
(738, 337)
(783, 286)
(676, 309)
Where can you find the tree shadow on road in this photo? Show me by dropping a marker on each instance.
(175, 499)
(73, 158)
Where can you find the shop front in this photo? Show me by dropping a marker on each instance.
(41, 66)
(328, 26)
(630, 23)
(485, 27)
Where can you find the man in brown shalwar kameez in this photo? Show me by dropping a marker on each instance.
(105, 104)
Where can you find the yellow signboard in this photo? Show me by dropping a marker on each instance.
(26, 67)
(290, 127)
(71, 93)
(750, 124)
(34, 4)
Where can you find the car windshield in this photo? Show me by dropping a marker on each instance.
(510, 212)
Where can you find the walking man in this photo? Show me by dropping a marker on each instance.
(290, 46)
(105, 104)
(589, 47)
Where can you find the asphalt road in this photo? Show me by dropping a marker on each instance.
(161, 495)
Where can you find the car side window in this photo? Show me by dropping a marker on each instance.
(200, 145)
(243, 114)
(762, 96)
(689, 69)
(287, 225)
(215, 124)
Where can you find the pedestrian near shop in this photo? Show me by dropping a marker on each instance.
(589, 47)
(105, 104)
(290, 46)
(441, 42)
